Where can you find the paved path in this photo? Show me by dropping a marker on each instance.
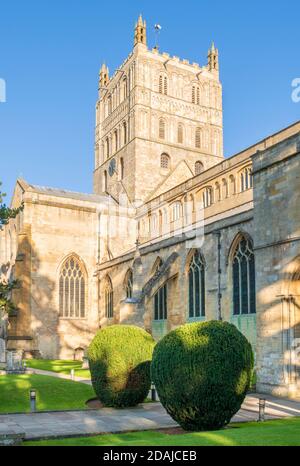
(59, 375)
(145, 417)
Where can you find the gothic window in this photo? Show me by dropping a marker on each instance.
(124, 88)
(162, 129)
(107, 147)
(129, 284)
(108, 299)
(207, 197)
(116, 140)
(154, 224)
(243, 274)
(180, 133)
(121, 174)
(104, 181)
(124, 133)
(198, 167)
(246, 179)
(196, 286)
(165, 161)
(160, 303)
(198, 138)
(72, 289)
(109, 104)
(176, 211)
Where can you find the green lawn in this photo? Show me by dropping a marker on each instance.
(63, 366)
(52, 393)
(269, 433)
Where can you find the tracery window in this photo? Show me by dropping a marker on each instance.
(246, 179)
(72, 289)
(207, 197)
(197, 286)
(161, 303)
(108, 299)
(164, 161)
(243, 274)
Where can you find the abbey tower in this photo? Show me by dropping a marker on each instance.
(158, 121)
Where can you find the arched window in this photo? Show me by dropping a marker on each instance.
(207, 197)
(72, 289)
(198, 167)
(154, 224)
(165, 161)
(107, 147)
(246, 179)
(193, 94)
(176, 211)
(243, 275)
(124, 133)
(161, 303)
(217, 191)
(121, 174)
(108, 299)
(109, 104)
(224, 188)
(116, 140)
(160, 84)
(124, 86)
(129, 283)
(232, 185)
(197, 286)
(162, 127)
(180, 133)
(104, 181)
(198, 138)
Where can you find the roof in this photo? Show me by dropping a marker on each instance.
(57, 192)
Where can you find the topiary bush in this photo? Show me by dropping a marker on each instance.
(202, 372)
(119, 360)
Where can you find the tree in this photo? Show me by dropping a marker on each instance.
(6, 287)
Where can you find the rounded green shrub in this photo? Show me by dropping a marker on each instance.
(202, 372)
(119, 360)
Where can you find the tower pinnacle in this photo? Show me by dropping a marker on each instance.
(213, 58)
(103, 75)
(140, 32)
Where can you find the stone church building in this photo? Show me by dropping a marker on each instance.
(173, 232)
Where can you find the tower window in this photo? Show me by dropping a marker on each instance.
(180, 134)
(107, 147)
(198, 167)
(198, 138)
(124, 132)
(163, 84)
(164, 161)
(162, 128)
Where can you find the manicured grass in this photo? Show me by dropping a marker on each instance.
(62, 366)
(52, 393)
(270, 433)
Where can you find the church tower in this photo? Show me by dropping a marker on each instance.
(158, 122)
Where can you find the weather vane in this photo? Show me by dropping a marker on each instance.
(157, 28)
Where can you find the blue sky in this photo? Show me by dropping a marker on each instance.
(51, 52)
